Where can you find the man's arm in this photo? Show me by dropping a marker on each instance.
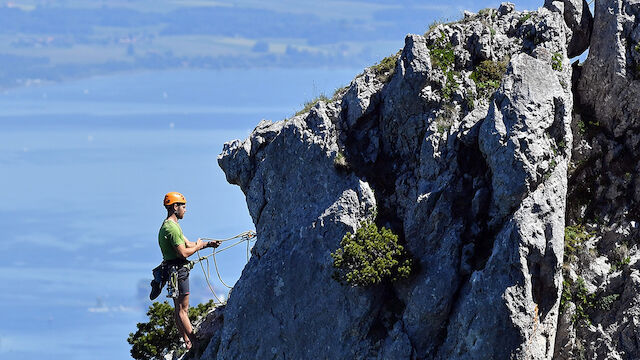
(188, 243)
(185, 251)
(189, 247)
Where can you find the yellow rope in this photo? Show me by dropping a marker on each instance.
(246, 236)
(215, 263)
(206, 276)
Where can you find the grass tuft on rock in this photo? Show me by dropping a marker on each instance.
(385, 68)
(488, 75)
(311, 103)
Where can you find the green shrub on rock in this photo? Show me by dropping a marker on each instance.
(370, 256)
(585, 302)
(488, 75)
(556, 61)
(159, 336)
(443, 57)
(574, 238)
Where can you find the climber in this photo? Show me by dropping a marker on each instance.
(176, 248)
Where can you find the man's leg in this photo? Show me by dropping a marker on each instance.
(181, 313)
(176, 317)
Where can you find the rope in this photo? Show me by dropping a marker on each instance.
(246, 236)
(215, 263)
(206, 276)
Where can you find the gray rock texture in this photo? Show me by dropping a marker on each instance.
(517, 199)
(604, 193)
(579, 23)
(472, 178)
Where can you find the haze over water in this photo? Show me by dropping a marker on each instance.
(85, 165)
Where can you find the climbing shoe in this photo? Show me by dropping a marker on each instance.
(156, 289)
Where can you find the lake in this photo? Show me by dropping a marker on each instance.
(85, 165)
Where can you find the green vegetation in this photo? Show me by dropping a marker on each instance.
(370, 256)
(338, 93)
(470, 99)
(434, 24)
(574, 238)
(589, 125)
(487, 76)
(386, 67)
(620, 257)
(584, 301)
(311, 103)
(524, 18)
(562, 146)
(566, 296)
(556, 61)
(452, 84)
(442, 125)
(340, 161)
(443, 58)
(552, 165)
(159, 336)
(607, 302)
(620, 264)
(485, 12)
(442, 55)
(445, 119)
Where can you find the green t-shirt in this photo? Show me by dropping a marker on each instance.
(169, 237)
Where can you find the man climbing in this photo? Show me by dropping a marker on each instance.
(176, 248)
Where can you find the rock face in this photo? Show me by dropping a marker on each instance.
(469, 174)
(605, 193)
(472, 173)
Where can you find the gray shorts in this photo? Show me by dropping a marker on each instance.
(183, 281)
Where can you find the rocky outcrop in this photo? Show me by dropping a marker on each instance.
(578, 20)
(469, 172)
(604, 193)
(473, 174)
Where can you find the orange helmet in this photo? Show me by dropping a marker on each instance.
(174, 197)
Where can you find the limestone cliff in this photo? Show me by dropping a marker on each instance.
(472, 172)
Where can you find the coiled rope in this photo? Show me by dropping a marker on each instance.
(246, 236)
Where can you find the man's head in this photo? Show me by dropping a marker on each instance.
(175, 203)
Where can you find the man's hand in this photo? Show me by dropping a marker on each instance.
(200, 244)
(214, 243)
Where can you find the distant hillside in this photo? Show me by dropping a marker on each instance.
(56, 41)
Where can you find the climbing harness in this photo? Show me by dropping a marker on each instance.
(168, 272)
(247, 236)
(172, 284)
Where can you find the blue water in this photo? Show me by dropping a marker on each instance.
(84, 166)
